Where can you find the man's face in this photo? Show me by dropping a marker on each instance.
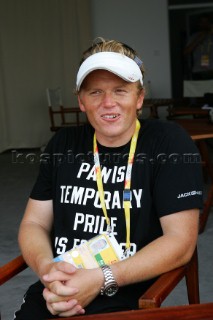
(111, 105)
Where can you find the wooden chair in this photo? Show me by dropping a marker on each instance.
(187, 111)
(177, 107)
(164, 285)
(155, 104)
(153, 297)
(190, 107)
(61, 116)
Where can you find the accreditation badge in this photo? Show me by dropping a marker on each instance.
(205, 60)
(96, 252)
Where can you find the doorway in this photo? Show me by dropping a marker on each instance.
(183, 21)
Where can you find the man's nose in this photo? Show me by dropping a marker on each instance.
(108, 100)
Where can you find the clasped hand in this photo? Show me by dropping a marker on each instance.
(68, 289)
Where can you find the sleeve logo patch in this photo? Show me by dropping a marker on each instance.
(189, 194)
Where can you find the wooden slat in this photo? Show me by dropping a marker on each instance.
(12, 268)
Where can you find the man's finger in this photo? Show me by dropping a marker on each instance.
(56, 276)
(60, 290)
(77, 310)
(65, 307)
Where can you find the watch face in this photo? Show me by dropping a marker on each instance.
(111, 290)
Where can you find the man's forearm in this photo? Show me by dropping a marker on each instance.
(36, 248)
(156, 258)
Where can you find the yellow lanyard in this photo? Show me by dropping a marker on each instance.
(127, 182)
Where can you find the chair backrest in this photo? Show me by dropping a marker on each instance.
(59, 115)
(54, 97)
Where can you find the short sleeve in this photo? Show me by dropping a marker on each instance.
(178, 180)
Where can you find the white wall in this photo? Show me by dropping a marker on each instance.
(40, 46)
(143, 24)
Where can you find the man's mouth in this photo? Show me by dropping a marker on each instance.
(109, 116)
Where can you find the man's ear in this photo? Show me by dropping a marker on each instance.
(81, 105)
(140, 100)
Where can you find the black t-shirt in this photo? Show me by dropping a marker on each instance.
(166, 178)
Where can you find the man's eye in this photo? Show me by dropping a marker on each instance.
(95, 92)
(120, 91)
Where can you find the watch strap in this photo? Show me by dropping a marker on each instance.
(109, 279)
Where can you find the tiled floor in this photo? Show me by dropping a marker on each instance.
(17, 174)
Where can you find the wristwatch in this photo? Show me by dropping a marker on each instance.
(110, 285)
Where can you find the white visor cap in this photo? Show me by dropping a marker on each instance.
(114, 62)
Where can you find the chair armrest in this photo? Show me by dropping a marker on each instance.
(12, 268)
(161, 288)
